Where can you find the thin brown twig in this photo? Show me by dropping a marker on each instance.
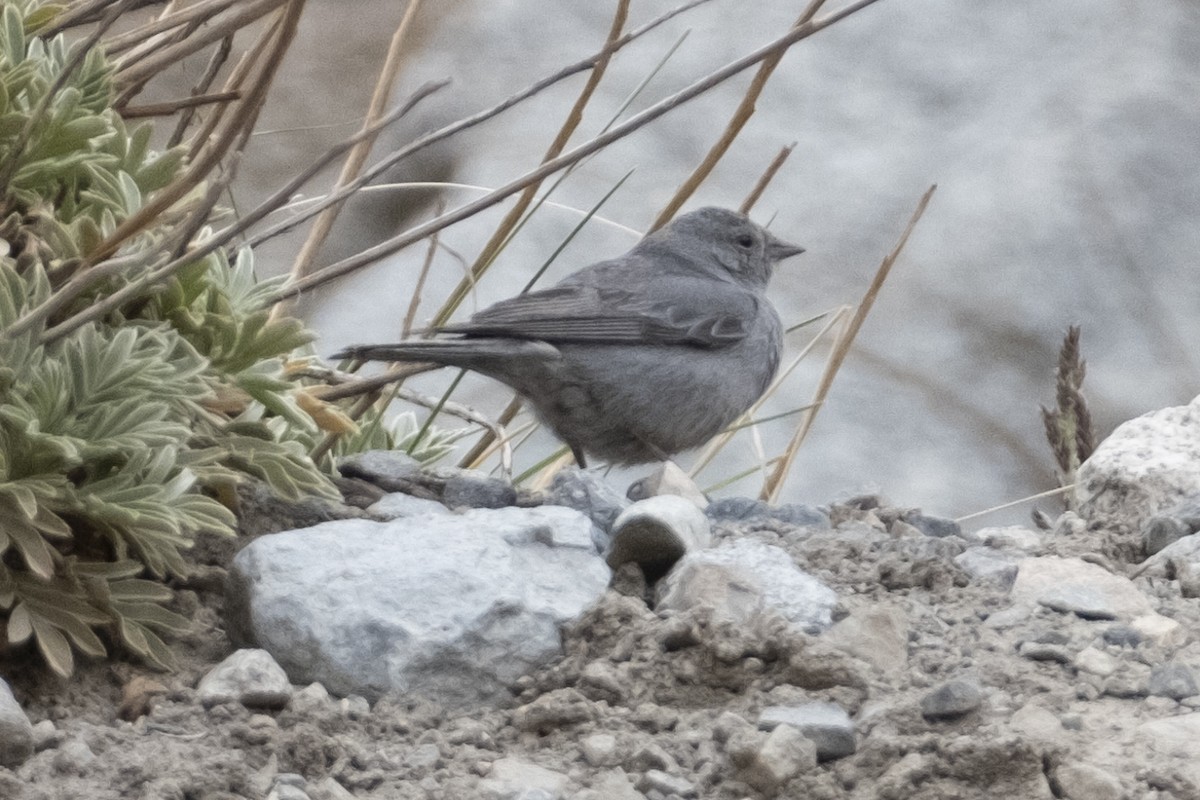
(766, 178)
(195, 12)
(83, 280)
(648, 115)
(173, 106)
(234, 130)
(483, 448)
(774, 483)
(215, 62)
(249, 11)
(357, 156)
(471, 121)
(411, 315)
(741, 116)
(569, 126)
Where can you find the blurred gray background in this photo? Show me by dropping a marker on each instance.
(1064, 139)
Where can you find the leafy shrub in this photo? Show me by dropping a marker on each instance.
(116, 436)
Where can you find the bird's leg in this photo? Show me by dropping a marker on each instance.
(580, 460)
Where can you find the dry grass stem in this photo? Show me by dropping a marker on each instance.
(134, 71)
(87, 278)
(463, 124)
(215, 62)
(766, 178)
(575, 116)
(715, 78)
(411, 315)
(243, 114)
(174, 106)
(357, 156)
(741, 116)
(1030, 498)
(486, 444)
(774, 483)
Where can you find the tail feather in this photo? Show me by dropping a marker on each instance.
(469, 353)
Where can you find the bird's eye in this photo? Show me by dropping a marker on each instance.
(745, 241)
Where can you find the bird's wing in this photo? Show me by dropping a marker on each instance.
(664, 310)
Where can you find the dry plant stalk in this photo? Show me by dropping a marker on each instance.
(741, 116)
(704, 84)
(488, 254)
(1069, 424)
(767, 177)
(357, 156)
(774, 483)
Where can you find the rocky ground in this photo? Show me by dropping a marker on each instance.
(1006, 662)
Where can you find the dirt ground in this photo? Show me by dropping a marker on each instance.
(642, 699)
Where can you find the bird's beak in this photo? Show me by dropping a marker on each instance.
(778, 250)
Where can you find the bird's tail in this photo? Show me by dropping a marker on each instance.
(480, 354)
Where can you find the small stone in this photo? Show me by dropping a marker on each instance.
(1159, 532)
(985, 565)
(1097, 662)
(555, 710)
(666, 783)
(613, 784)
(73, 757)
(826, 724)
(657, 532)
(1040, 651)
(586, 491)
(478, 491)
(423, 757)
(1086, 782)
(392, 470)
(1122, 636)
(877, 635)
(951, 700)
(45, 735)
(1074, 585)
(354, 707)
(651, 757)
(599, 681)
(784, 755)
(16, 731)
(937, 527)
(668, 481)
(250, 677)
(1129, 681)
(1037, 724)
(512, 778)
(600, 750)
(312, 699)
(396, 505)
(744, 509)
(1173, 680)
(1160, 630)
(1013, 537)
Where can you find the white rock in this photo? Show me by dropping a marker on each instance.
(250, 677)
(398, 504)
(1095, 661)
(452, 607)
(511, 776)
(1144, 467)
(657, 532)
(744, 578)
(1087, 782)
(784, 755)
(1037, 724)
(877, 635)
(1071, 584)
(1163, 631)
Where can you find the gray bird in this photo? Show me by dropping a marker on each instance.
(639, 357)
